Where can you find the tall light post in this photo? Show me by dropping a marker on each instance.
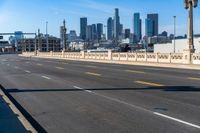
(47, 41)
(189, 5)
(174, 34)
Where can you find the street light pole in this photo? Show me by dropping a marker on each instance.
(189, 5)
(47, 39)
(174, 34)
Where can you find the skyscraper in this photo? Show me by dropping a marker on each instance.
(116, 24)
(149, 27)
(110, 28)
(137, 26)
(127, 33)
(89, 33)
(154, 19)
(94, 32)
(99, 31)
(83, 26)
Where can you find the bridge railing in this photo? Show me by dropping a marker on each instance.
(175, 58)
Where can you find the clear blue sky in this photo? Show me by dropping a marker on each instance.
(29, 15)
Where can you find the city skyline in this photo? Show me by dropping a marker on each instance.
(14, 17)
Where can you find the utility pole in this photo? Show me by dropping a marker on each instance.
(64, 35)
(174, 34)
(47, 37)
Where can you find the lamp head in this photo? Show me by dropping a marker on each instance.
(186, 2)
(195, 3)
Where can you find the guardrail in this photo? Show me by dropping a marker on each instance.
(175, 58)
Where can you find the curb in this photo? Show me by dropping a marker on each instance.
(27, 125)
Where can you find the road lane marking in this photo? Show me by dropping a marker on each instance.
(177, 120)
(133, 71)
(82, 89)
(192, 78)
(138, 107)
(90, 66)
(149, 83)
(46, 77)
(27, 62)
(93, 74)
(27, 71)
(16, 67)
(39, 64)
(60, 68)
(65, 63)
(8, 64)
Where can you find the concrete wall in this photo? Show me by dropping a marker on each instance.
(176, 58)
(181, 44)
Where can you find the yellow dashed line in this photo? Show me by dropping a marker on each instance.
(192, 78)
(93, 74)
(91, 66)
(133, 71)
(149, 83)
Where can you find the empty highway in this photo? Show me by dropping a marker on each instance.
(62, 96)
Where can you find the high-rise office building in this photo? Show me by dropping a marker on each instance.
(127, 33)
(149, 27)
(99, 31)
(137, 26)
(110, 28)
(116, 24)
(94, 32)
(154, 19)
(83, 26)
(89, 33)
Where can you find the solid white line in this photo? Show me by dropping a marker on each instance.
(61, 68)
(177, 120)
(39, 64)
(27, 71)
(16, 67)
(45, 77)
(82, 89)
(78, 87)
(88, 91)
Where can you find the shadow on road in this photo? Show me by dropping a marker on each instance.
(165, 88)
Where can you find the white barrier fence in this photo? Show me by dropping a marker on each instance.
(175, 58)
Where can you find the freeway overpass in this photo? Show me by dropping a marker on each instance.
(86, 97)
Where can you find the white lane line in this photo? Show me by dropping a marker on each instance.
(82, 89)
(138, 107)
(27, 71)
(61, 68)
(39, 64)
(177, 120)
(46, 77)
(8, 64)
(16, 67)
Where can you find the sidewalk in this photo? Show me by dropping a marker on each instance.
(9, 123)
(164, 65)
(11, 120)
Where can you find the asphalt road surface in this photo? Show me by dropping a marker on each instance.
(61, 96)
